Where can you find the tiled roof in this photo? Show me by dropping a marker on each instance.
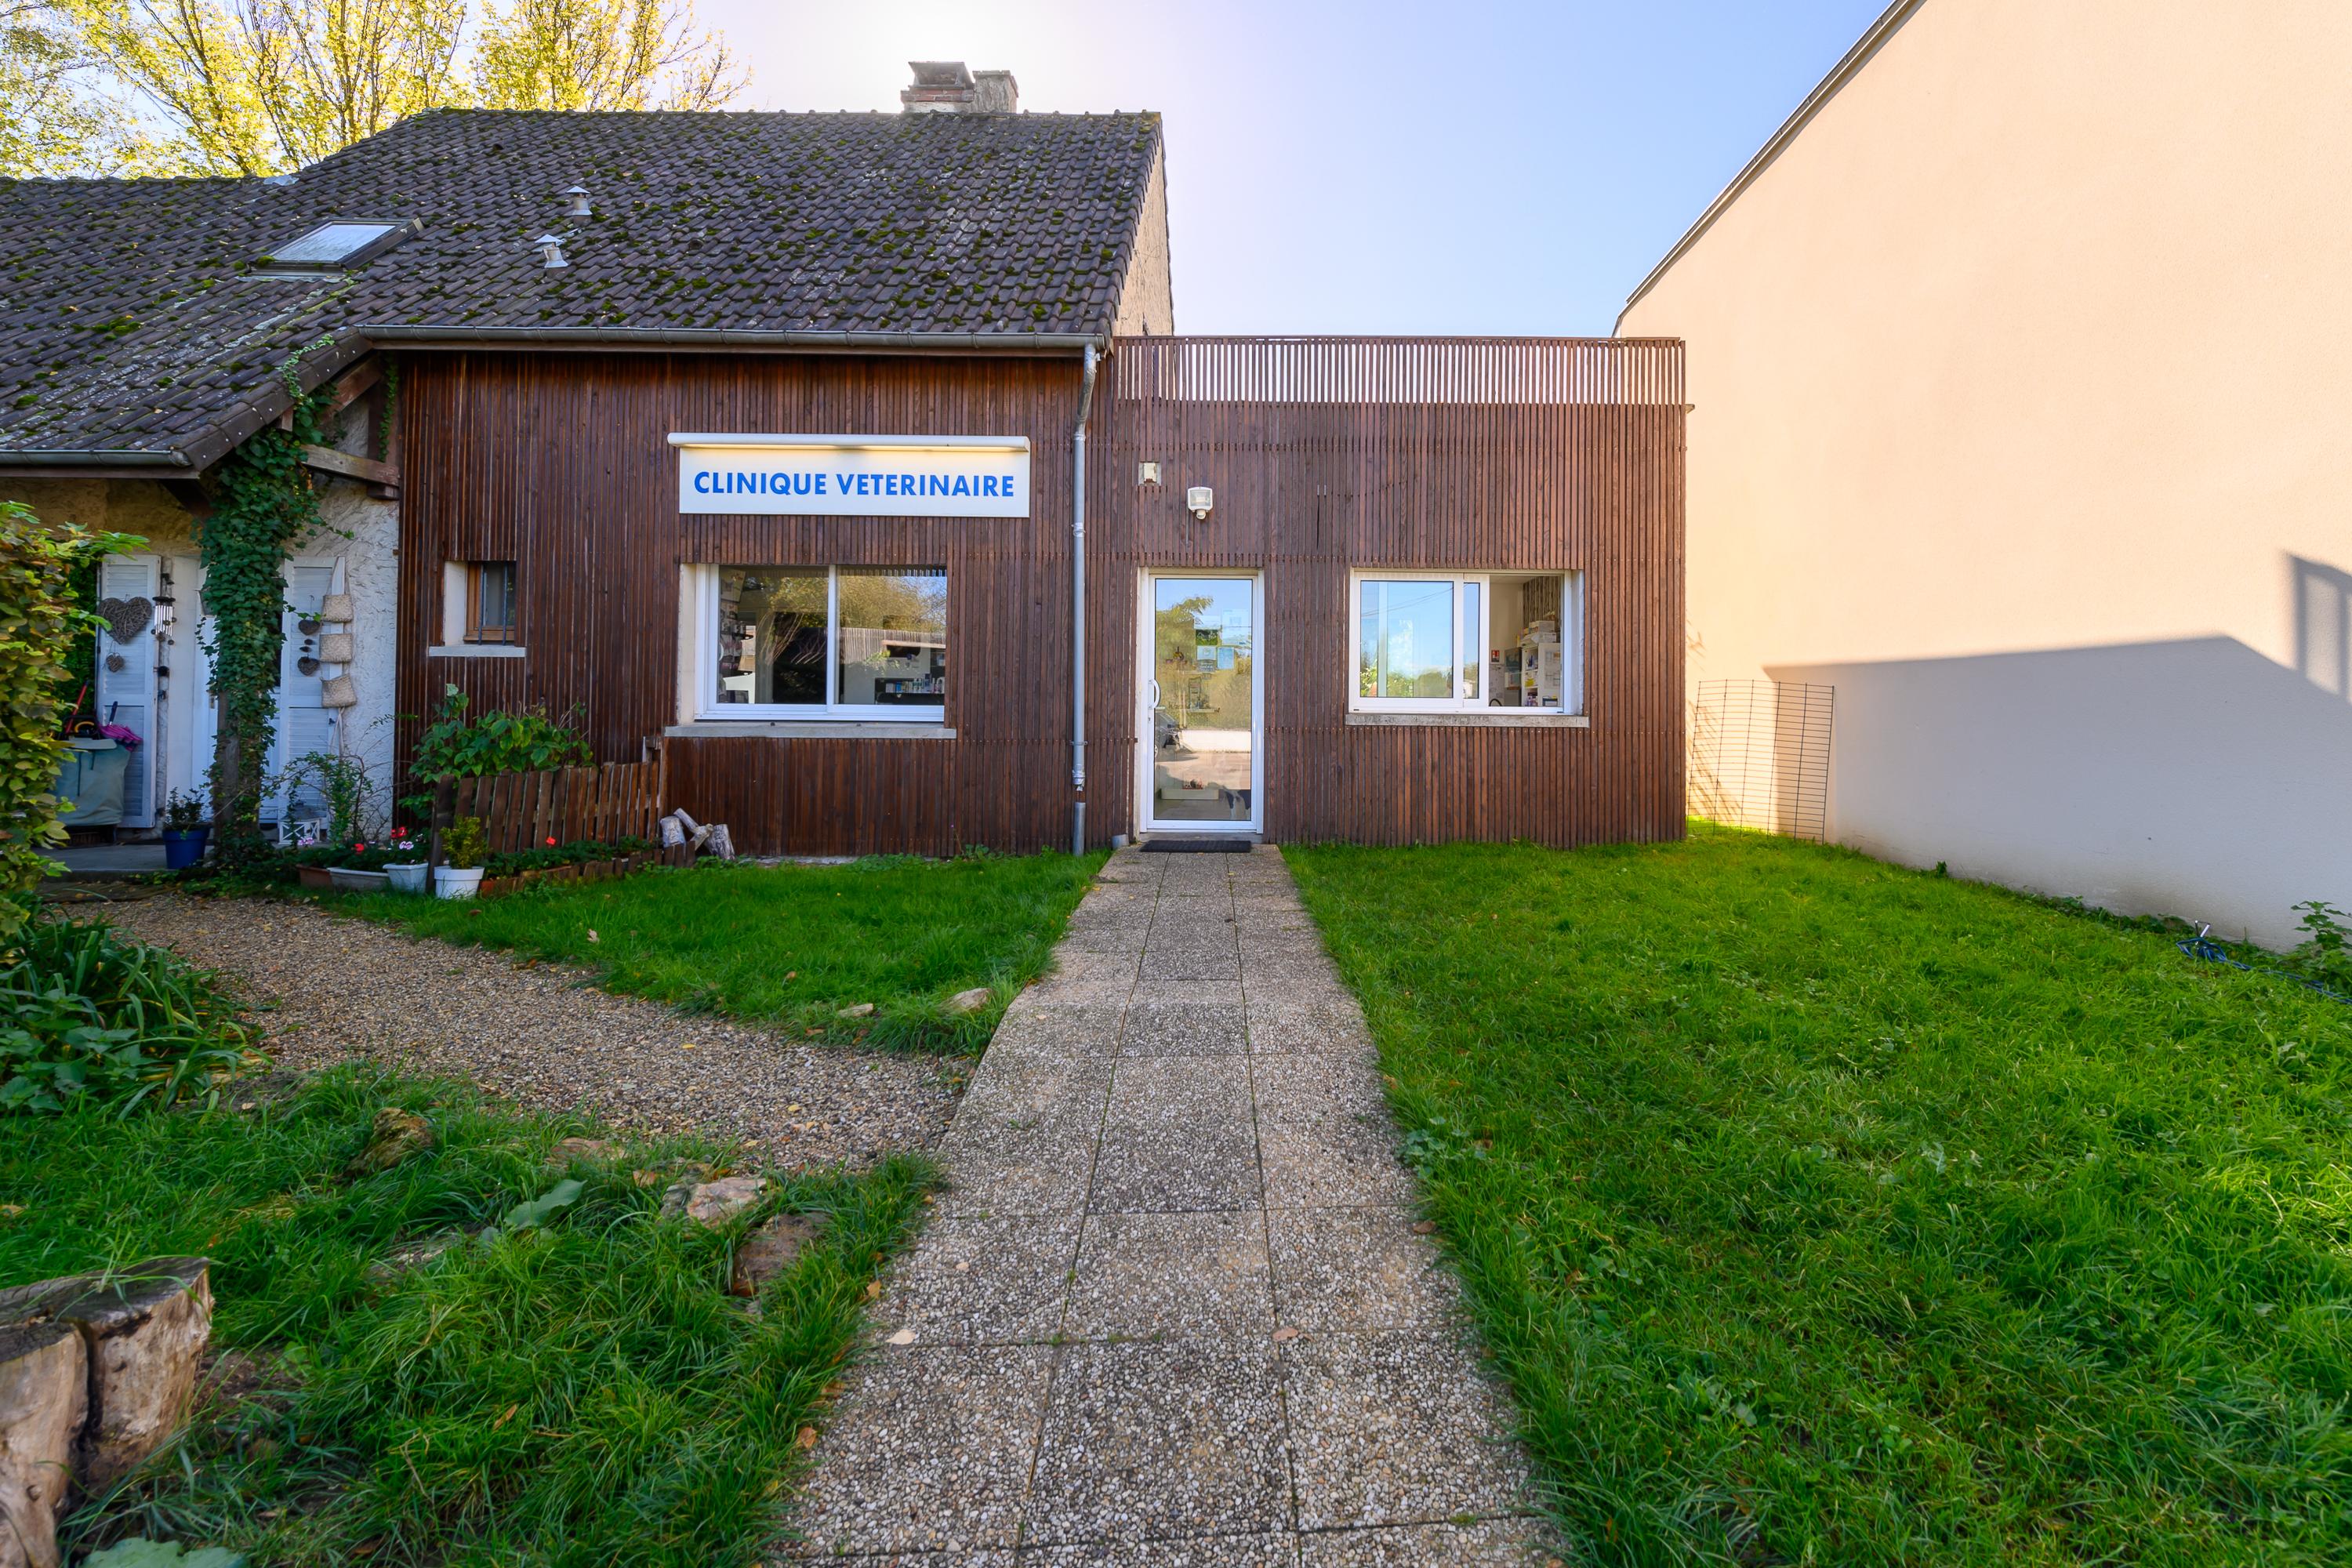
(132, 319)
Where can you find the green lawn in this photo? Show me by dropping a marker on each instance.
(794, 945)
(584, 1392)
(1821, 1211)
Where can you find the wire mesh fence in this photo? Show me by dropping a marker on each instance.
(1760, 755)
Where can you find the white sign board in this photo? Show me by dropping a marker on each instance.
(854, 476)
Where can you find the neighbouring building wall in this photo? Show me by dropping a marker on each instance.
(1147, 300)
(2022, 381)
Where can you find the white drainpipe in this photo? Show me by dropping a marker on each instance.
(1078, 608)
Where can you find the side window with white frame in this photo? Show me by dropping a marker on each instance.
(1467, 642)
(824, 642)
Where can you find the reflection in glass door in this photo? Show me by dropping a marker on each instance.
(1201, 674)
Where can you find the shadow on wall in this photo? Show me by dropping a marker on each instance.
(2192, 777)
(2323, 624)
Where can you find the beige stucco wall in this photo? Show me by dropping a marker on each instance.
(119, 506)
(2023, 413)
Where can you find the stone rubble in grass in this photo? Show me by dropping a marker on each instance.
(713, 1204)
(963, 1001)
(397, 1135)
(595, 1151)
(863, 1009)
(772, 1247)
(414, 1255)
(679, 1175)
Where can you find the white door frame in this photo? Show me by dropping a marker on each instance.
(1146, 610)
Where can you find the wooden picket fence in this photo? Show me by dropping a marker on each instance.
(603, 801)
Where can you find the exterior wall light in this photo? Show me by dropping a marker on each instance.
(1198, 500)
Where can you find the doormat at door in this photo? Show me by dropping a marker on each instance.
(1221, 845)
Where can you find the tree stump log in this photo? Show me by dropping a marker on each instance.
(143, 1333)
(43, 1395)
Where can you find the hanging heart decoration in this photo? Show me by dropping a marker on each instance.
(307, 665)
(126, 618)
(115, 664)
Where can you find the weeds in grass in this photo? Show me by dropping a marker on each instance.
(86, 1017)
(581, 1390)
(1824, 1211)
(2324, 954)
(794, 945)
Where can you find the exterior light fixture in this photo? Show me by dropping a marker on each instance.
(575, 203)
(551, 250)
(1198, 501)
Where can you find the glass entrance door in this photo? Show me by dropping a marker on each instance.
(1200, 667)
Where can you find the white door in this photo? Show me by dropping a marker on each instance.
(304, 723)
(195, 713)
(1203, 760)
(124, 691)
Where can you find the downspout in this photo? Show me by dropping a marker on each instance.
(1078, 608)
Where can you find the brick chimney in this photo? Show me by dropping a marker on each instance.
(945, 87)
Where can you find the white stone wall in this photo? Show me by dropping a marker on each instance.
(364, 534)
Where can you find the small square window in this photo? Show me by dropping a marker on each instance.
(490, 603)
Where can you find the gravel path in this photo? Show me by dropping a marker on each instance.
(542, 1034)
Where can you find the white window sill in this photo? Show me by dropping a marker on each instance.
(812, 730)
(475, 650)
(1483, 719)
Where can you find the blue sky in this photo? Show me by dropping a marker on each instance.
(1371, 167)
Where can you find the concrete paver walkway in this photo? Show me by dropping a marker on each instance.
(1174, 1309)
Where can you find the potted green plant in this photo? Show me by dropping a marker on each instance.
(411, 871)
(466, 848)
(185, 830)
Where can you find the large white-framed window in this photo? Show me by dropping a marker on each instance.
(821, 643)
(1466, 642)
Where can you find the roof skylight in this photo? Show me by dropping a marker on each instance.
(337, 244)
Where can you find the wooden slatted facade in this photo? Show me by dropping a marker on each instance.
(1325, 454)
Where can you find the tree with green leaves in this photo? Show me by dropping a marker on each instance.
(261, 86)
(39, 619)
(54, 116)
(604, 54)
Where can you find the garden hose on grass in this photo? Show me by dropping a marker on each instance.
(2201, 946)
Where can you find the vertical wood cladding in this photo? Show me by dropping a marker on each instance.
(1469, 454)
(1324, 454)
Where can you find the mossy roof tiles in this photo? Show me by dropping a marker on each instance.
(133, 317)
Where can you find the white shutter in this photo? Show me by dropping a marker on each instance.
(304, 724)
(127, 696)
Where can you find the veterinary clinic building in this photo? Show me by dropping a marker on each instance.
(852, 462)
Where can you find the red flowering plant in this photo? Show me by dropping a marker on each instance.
(398, 847)
(552, 854)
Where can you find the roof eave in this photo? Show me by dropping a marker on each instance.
(1890, 21)
(322, 362)
(658, 338)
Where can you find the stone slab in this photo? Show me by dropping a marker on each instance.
(1149, 1441)
(1151, 1276)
